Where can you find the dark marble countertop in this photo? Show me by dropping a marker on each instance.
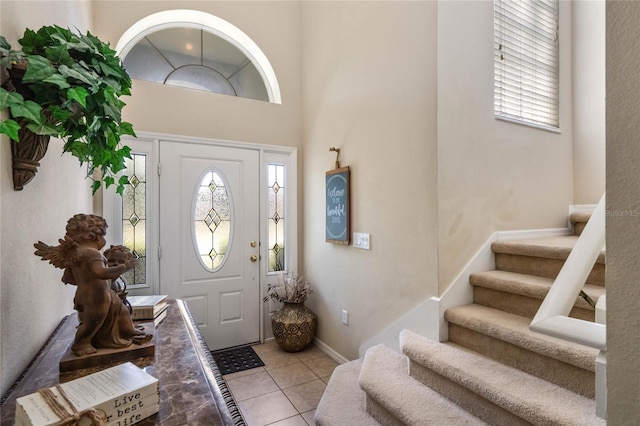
(192, 391)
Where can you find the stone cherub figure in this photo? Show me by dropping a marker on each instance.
(104, 320)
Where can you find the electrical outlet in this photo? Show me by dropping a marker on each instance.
(361, 240)
(345, 317)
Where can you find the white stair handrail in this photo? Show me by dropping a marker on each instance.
(553, 316)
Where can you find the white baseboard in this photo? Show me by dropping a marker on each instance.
(328, 350)
(416, 320)
(531, 233)
(582, 208)
(427, 318)
(460, 292)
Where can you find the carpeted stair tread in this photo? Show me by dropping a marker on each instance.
(385, 379)
(528, 397)
(515, 330)
(343, 402)
(579, 221)
(580, 217)
(528, 285)
(557, 247)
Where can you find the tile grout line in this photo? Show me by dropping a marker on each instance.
(304, 362)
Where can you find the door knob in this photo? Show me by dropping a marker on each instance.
(254, 258)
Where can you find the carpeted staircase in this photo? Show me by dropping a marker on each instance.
(493, 370)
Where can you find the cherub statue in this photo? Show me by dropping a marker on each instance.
(105, 321)
(119, 255)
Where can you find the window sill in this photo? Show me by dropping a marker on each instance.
(528, 124)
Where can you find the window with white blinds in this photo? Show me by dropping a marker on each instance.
(526, 61)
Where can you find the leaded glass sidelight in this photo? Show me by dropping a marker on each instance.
(212, 220)
(275, 217)
(134, 223)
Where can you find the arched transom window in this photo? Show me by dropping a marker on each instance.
(197, 50)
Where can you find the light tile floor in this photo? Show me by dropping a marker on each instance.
(286, 391)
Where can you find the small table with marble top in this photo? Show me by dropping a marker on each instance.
(192, 390)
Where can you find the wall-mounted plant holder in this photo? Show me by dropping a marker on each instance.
(78, 80)
(26, 156)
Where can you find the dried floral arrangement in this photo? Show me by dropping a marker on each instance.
(290, 288)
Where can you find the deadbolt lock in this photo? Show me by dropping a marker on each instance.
(253, 244)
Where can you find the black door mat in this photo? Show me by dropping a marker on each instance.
(236, 359)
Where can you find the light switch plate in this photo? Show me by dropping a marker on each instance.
(361, 240)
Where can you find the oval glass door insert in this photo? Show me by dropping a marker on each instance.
(212, 217)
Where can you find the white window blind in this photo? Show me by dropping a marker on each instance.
(526, 61)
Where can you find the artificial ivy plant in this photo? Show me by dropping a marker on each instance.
(76, 82)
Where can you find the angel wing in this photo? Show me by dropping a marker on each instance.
(61, 256)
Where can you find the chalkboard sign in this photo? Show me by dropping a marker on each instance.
(337, 207)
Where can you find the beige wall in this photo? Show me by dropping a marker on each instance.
(33, 300)
(272, 25)
(492, 175)
(588, 101)
(623, 202)
(370, 89)
(59, 191)
(403, 88)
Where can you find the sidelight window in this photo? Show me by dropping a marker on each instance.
(276, 217)
(134, 217)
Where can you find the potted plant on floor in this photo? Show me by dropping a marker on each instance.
(294, 325)
(66, 85)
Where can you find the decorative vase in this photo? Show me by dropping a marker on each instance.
(294, 326)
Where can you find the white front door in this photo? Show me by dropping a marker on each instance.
(209, 239)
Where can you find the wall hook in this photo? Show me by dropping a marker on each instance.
(337, 151)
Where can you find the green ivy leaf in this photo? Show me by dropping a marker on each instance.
(9, 98)
(124, 180)
(95, 186)
(10, 128)
(79, 150)
(4, 44)
(28, 41)
(59, 55)
(127, 129)
(109, 70)
(78, 75)
(43, 129)
(108, 181)
(126, 152)
(45, 93)
(78, 94)
(58, 80)
(38, 69)
(29, 110)
(59, 34)
(112, 112)
(59, 114)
